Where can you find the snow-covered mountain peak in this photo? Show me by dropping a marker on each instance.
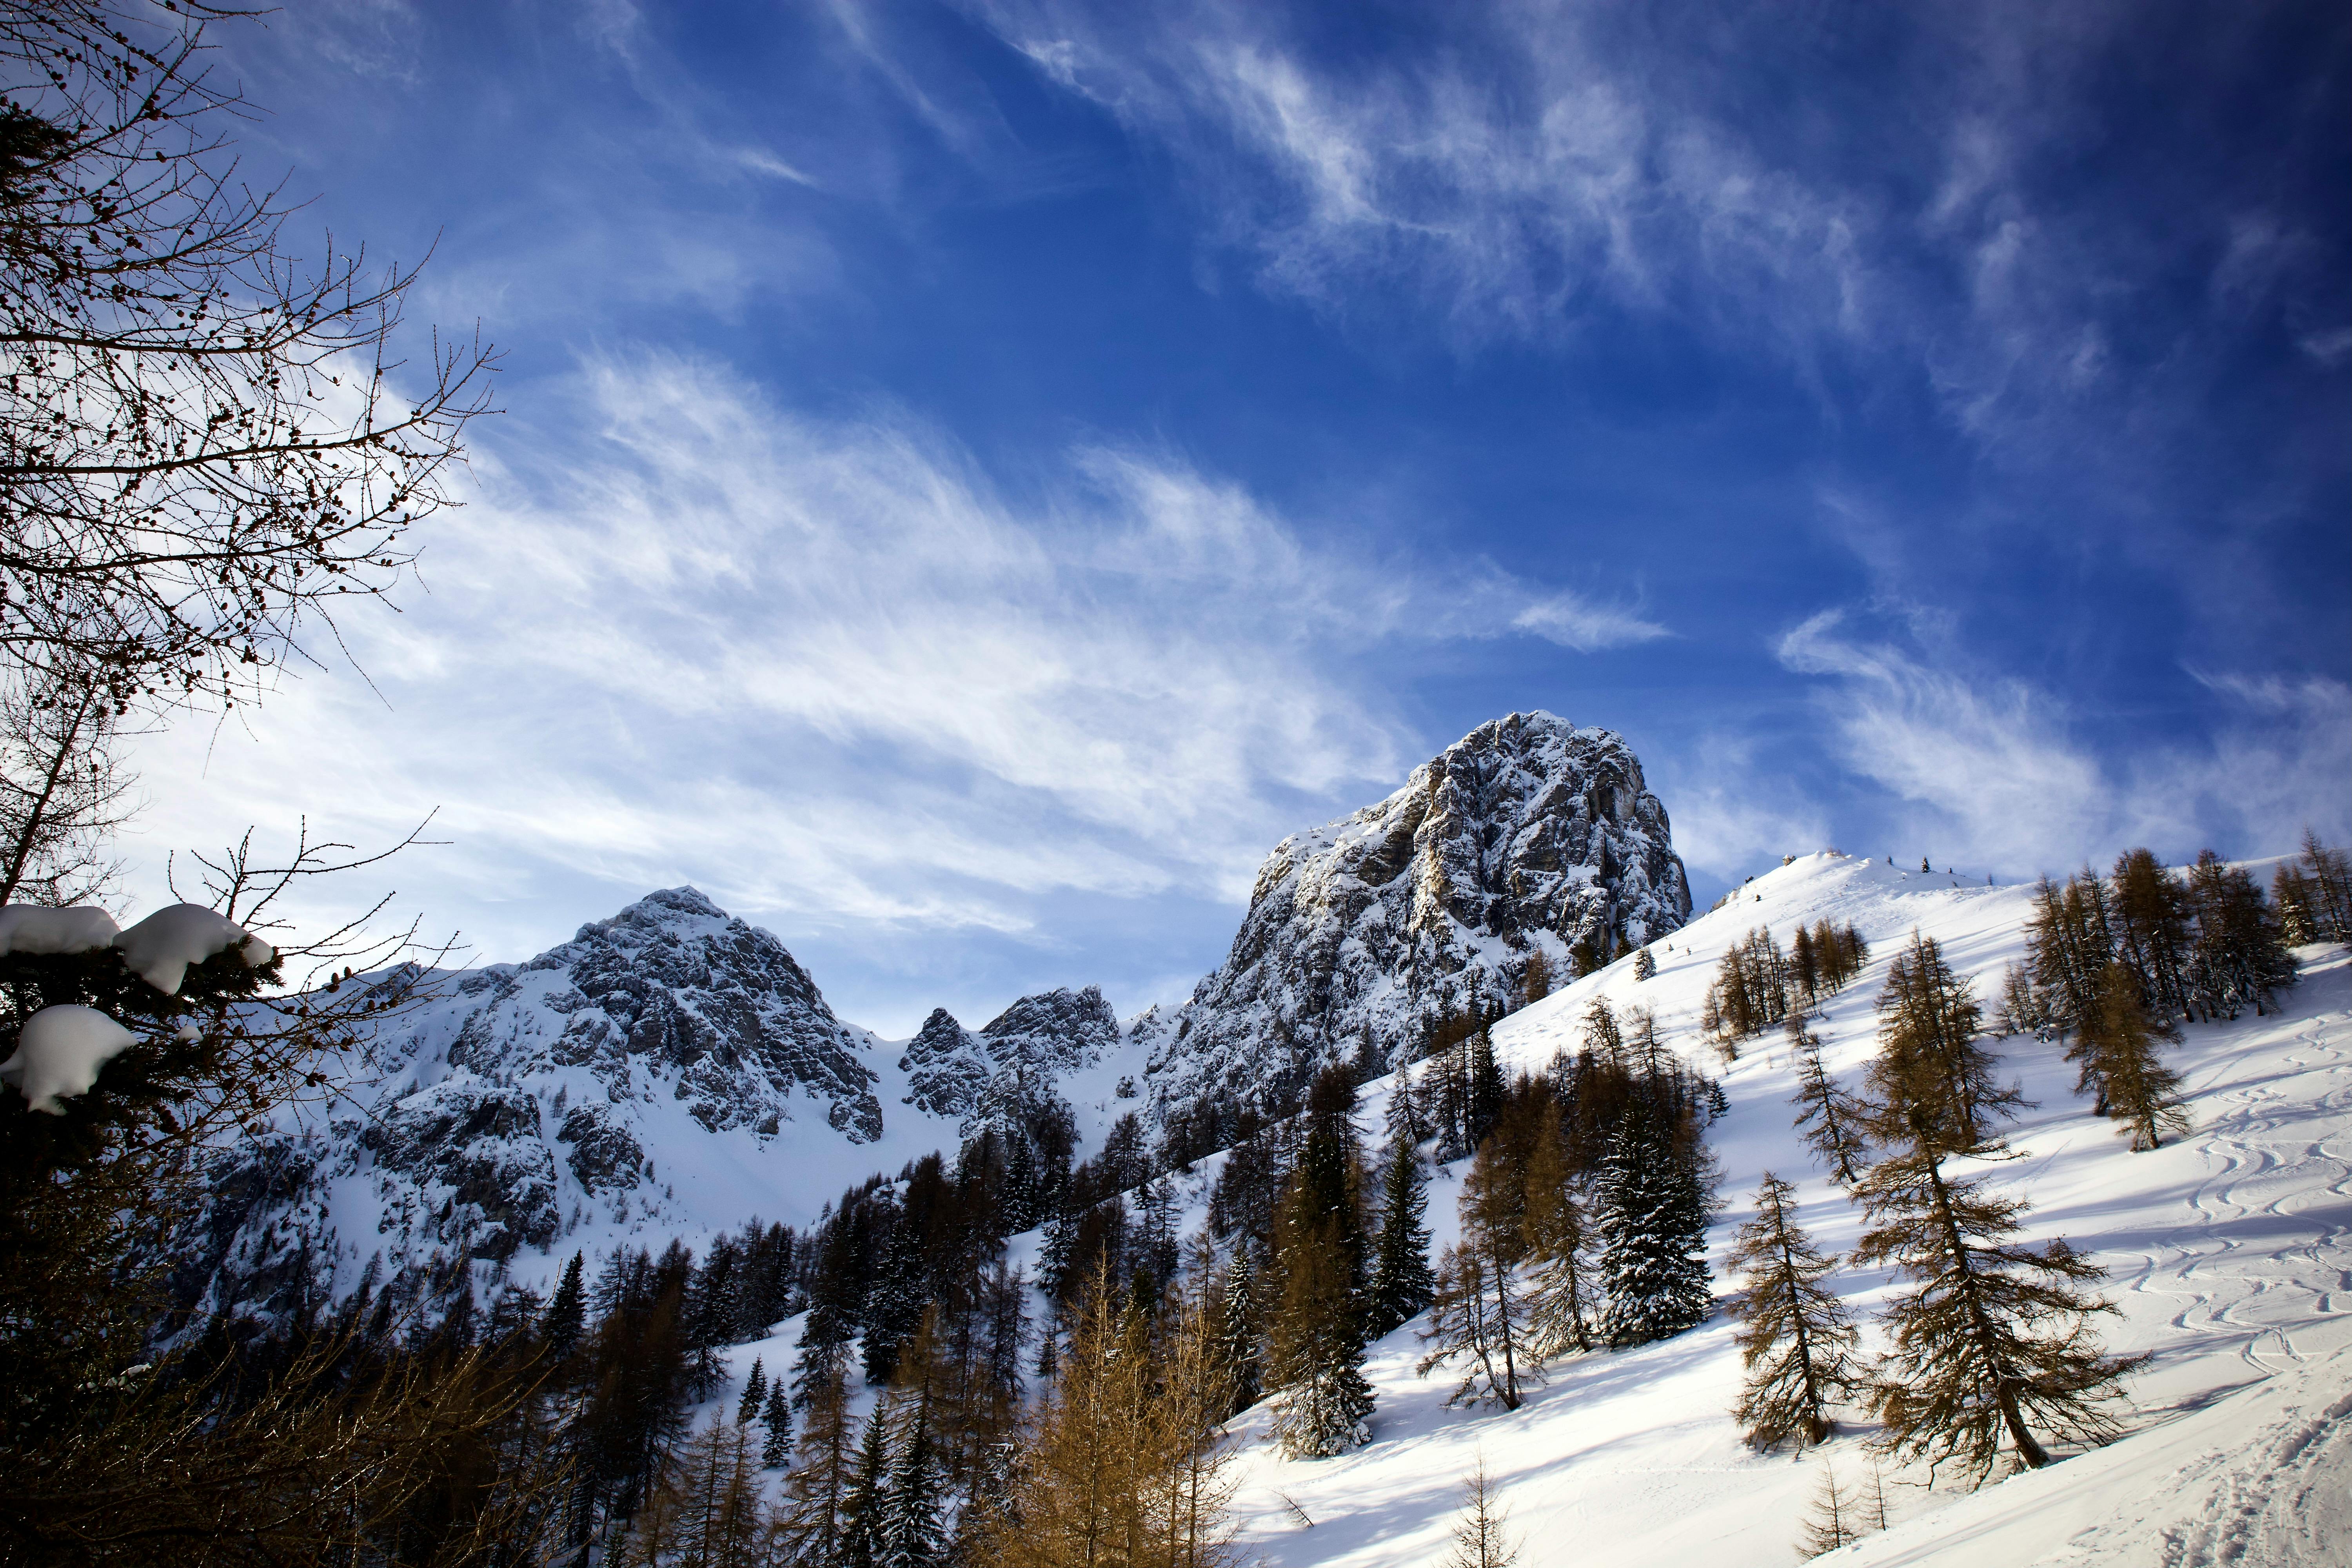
(1528, 835)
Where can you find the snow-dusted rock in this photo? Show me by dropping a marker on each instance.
(159, 948)
(674, 987)
(59, 1052)
(664, 1066)
(29, 929)
(946, 1065)
(1528, 834)
(1059, 1031)
(482, 1144)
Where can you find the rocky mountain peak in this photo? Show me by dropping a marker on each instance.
(1528, 836)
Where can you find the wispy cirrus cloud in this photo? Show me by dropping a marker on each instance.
(831, 671)
(1990, 770)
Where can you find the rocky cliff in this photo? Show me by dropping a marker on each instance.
(1528, 836)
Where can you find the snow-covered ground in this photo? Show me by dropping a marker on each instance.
(2227, 1257)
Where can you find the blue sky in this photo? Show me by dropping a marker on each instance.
(973, 477)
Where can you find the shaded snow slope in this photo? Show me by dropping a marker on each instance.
(1527, 836)
(2227, 1255)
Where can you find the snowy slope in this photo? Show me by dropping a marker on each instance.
(2227, 1255)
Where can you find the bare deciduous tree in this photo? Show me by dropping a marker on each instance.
(206, 437)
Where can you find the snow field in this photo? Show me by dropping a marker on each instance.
(2226, 1255)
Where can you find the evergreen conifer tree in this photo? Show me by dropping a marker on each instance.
(1485, 1088)
(755, 1393)
(567, 1313)
(1402, 1282)
(1653, 1225)
(865, 1503)
(1237, 1329)
(823, 1347)
(1830, 1119)
(776, 1415)
(1646, 965)
(2141, 1091)
(1990, 1346)
(914, 1526)
(1794, 1338)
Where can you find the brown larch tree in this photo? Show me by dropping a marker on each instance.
(1990, 1346)
(1794, 1337)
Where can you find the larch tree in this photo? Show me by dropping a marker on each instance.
(2150, 930)
(818, 1490)
(1316, 1337)
(2142, 1092)
(1479, 1314)
(1990, 1347)
(1601, 1035)
(1795, 1339)
(1481, 1534)
(1833, 1518)
(1931, 1060)
(1559, 1243)
(1189, 1480)
(2240, 958)
(1830, 1119)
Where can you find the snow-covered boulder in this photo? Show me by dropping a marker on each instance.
(159, 948)
(59, 1052)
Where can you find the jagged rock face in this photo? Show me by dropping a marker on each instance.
(1015, 1059)
(481, 1143)
(946, 1066)
(1528, 834)
(1062, 1031)
(528, 1099)
(675, 980)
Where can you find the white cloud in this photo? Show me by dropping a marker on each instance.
(829, 669)
(1993, 777)
(1989, 761)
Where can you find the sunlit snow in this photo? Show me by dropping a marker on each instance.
(159, 948)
